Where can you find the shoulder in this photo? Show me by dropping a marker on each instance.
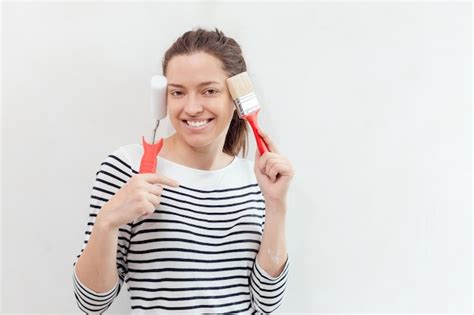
(125, 156)
(133, 152)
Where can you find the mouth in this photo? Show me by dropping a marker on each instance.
(197, 124)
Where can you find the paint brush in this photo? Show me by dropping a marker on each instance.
(246, 103)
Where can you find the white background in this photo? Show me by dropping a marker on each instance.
(370, 101)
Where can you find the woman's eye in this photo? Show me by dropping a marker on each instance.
(211, 91)
(174, 93)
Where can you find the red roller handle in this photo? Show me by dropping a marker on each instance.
(252, 119)
(150, 152)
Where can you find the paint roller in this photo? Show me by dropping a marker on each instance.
(151, 150)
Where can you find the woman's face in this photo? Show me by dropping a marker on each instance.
(199, 104)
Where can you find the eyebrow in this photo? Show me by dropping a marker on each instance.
(200, 84)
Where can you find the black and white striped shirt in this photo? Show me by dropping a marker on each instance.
(196, 252)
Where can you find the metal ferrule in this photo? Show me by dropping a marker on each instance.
(246, 104)
(154, 131)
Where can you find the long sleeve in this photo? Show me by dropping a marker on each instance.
(90, 301)
(114, 172)
(267, 291)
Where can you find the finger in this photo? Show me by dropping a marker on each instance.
(255, 162)
(262, 162)
(272, 158)
(271, 175)
(155, 189)
(270, 144)
(257, 155)
(153, 199)
(282, 168)
(277, 169)
(153, 178)
(269, 165)
(265, 159)
(149, 210)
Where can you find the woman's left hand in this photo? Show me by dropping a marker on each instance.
(274, 173)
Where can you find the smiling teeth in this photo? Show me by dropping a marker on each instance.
(197, 123)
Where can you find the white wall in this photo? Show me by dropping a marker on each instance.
(371, 102)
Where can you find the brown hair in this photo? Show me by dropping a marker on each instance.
(228, 51)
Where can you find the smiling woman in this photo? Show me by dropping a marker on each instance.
(211, 241)
(202, 49)
(200, 108)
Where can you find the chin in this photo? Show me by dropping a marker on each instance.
(198, 143)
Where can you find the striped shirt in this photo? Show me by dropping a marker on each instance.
(196, 252)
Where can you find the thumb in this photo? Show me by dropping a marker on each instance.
(257, 157)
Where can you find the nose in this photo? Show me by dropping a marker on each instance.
(193, 105)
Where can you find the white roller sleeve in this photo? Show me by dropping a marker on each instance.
(158, 96)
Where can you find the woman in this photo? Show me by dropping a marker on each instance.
(191, 237)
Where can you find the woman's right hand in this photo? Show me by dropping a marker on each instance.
(139, 196)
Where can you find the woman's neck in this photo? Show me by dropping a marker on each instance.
(207, 158)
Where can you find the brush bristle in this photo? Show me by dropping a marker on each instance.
(239, 85)
(241, 90)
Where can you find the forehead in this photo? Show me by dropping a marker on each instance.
(191, 70)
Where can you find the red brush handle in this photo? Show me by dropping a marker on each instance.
(252, 119)
(150, 151)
